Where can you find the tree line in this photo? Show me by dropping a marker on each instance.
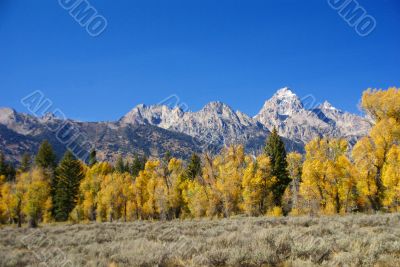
(330, 178)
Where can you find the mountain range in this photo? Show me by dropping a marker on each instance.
(154, 130)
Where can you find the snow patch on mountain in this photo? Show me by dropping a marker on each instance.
(286, 112)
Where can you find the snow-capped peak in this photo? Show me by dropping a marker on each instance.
(327, 106)
(283, 102)
(217, 124)
(286, 95)
(285, 92)
(7, 115)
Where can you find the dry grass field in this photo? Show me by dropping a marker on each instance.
(357, 240)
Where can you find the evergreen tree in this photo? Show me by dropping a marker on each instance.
(10, 172)
(92, 158)
(69, 173)
(46, 158)
(3, 165)
(6, 169)
(194, 167)
(25, 163)
(275, 150)
(138, 165)
(120, 165)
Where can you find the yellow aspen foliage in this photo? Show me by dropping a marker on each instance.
(230, 165)
(113, 198)
(2, 212)
(149, 206)
(276, 211)
(47, 216)
(131, 208)
(251, 189)
(141, 191)
(165, 192)
(144, 189)
(127, 196)
(201, 197)
(385, 134)
(157, 197)
(8, 203)
(382, 104)
(311, 187)
(175, 180)
(210, 192)
(195, 195)
(323, 181)
(365, 161)
(370, 154)
(391, 179)
(89, 189)
(350, 198)
(327, 181)
(295, 164)
(264, 173)
(257, 183)
(36, 200)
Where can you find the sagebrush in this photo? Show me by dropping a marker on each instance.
(356, 240)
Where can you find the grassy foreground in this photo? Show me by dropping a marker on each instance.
(357, 240)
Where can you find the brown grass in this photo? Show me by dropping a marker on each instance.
(357, 240)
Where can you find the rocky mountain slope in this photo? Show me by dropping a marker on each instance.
(286, 112)
(153, 130)
(215, 125)
(20, 133)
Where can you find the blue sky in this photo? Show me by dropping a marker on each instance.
(237, 52)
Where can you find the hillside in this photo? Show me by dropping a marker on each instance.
(154, 130)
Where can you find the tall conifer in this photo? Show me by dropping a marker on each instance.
(69, 174)
(275, 150)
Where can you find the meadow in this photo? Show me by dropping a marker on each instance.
(353, 240)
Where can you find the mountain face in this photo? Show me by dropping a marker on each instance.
(154, 130)
(286, 112)
(215, 125)
(21, 133)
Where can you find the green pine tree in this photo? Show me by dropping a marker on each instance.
(3, 164)
(25, 163)
(6, 169)
(194, 167)
(92, 158)
(10, 172)
(46, 158)
(275, 150)
(138, 165)
(69, 174)
(120, 166)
